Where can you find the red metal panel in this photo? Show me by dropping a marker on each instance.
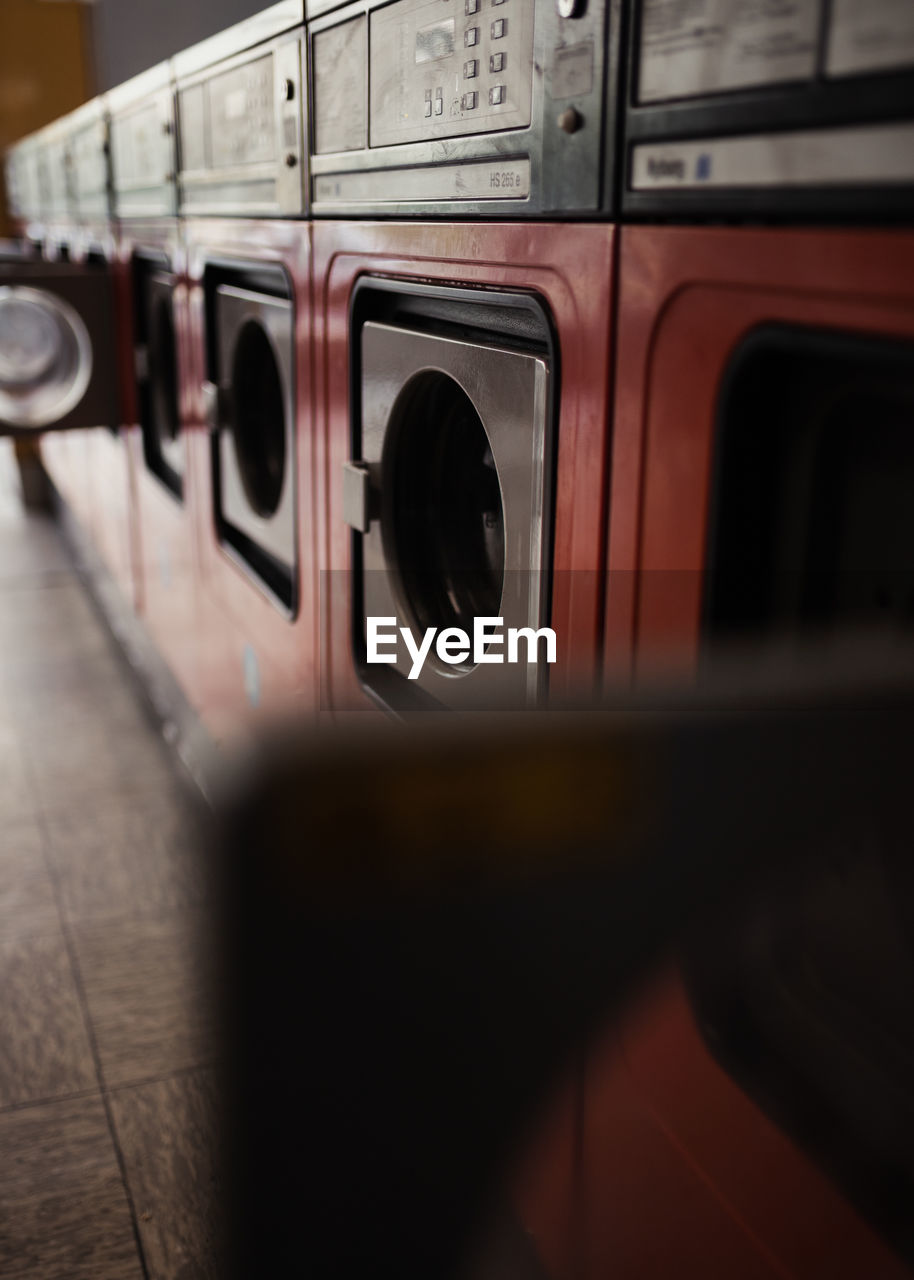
(164, 549)
(687, 297)
(238, 623)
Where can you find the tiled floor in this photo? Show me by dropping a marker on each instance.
(106, 1046)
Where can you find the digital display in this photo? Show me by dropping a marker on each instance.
(435, 41)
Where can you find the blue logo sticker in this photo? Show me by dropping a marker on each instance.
(251, 676)
(703, 167)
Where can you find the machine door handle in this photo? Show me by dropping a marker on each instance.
(216, 404)
(357, 495)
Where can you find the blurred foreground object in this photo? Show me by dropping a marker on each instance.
(427, 926)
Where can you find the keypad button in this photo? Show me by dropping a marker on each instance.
(469, 101)
(472, 6)
(439, 106)
(497, 61)
(471, 37)
(497, 94)
(499, 28)
(470, 69)
(428, 107)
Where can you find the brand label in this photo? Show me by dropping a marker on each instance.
(868, 154)
(487, 180)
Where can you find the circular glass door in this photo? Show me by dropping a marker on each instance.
(45, 357)
(443, 516)
(258, 418)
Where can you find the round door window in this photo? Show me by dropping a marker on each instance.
(258, 419)
(443, 516)
(45, 357)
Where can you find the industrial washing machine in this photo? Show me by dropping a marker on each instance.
(242, 188)
(421, 108)
(153, 306)
(762, 467)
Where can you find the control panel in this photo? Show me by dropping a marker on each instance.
(52, 171)
(808, 101)
(143, 158)
(440, 69)
(242, 114)
(492, 107)
(241, 134)
(89, 166)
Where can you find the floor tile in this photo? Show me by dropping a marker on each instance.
(44, 1049)
(135, 854)
(27, 902)
(149, 987)
(167, 1133)
(18, 793)
(63, 1209)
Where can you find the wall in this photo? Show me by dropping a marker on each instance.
(131, 35)
(45, 66)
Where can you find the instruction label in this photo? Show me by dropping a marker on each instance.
(690, 48)
(875, 36)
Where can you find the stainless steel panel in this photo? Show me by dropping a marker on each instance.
(339, 71)
(476, 180)
(431, 70)
(877, 35)
(710, 46)
(143, 157)
(236, 309)
(241, 134)
(242, 114)
(89, 164)
(549, 132)
(509, 392)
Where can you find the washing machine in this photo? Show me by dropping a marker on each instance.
(465, 392)
(153, 301)
(762, 485)
(243, 190)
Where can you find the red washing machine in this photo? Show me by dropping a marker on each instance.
(153, 358)
(462, 373)
(498, 331)
(762, 468)
(242, 198)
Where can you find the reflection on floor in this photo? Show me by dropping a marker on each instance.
(106, 1047)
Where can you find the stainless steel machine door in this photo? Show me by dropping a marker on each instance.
(57, 365)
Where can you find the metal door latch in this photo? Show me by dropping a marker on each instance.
(357, 495)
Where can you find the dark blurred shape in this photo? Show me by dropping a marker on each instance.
(424, 928)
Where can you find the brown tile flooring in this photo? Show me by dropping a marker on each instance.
(106, 1051)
